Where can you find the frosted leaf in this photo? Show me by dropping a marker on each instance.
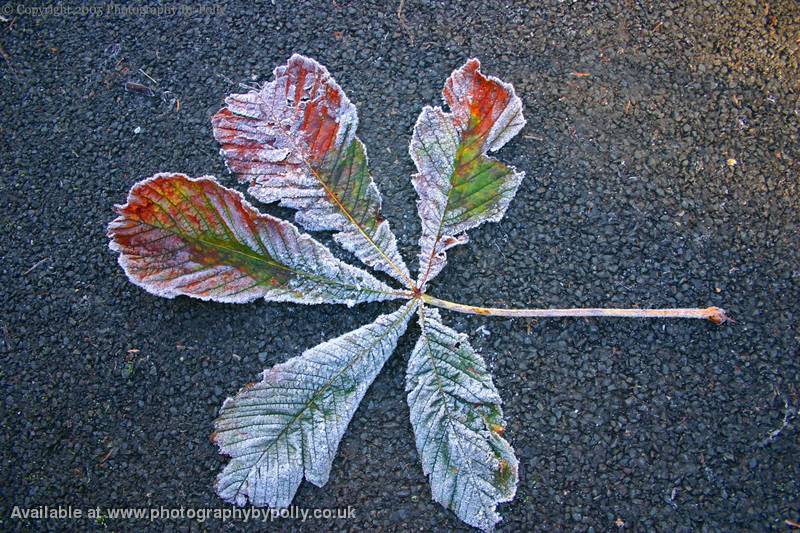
(182, 236)
(458, 184)
(288, 425)
(458, 425)
(294, 141)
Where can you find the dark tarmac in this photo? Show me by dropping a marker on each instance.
(663, 166)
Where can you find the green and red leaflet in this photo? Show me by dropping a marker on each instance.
(293, 141)
(458, 184)
(193, 237)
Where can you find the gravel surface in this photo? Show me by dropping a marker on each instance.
(662, 159)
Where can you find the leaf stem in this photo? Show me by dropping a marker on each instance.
(714, 314)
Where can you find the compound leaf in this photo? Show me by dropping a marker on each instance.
(458, 185)
(177, 235)
(294, 141)
(458, 425)
(289, 425)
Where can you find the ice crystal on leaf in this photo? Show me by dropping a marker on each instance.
(293, 141)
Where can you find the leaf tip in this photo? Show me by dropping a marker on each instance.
(473, 64)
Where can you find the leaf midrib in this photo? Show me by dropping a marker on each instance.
(254, 256)
(340, 205)
(443, 393)
(353, 221)
(440, 230)
(482, 154)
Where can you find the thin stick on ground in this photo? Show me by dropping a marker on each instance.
(714, 314)
(401, 18)
(7, 58)
(34, 266)
(148, 76)
(787, 417)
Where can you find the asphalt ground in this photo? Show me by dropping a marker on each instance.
(662, 164)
